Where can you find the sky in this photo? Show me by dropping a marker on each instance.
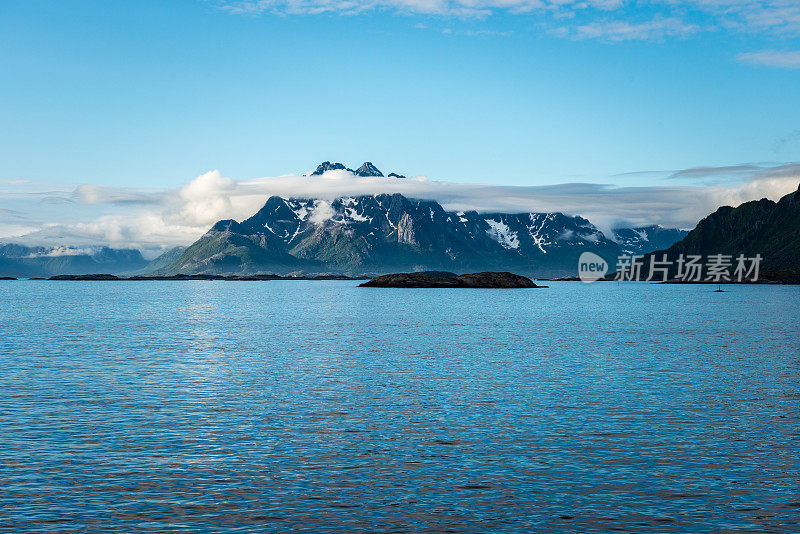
(144, 100)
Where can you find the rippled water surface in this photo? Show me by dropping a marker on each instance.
(323, 407)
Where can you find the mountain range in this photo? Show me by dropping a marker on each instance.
(19, 260)
(384, 233)
(373, 234)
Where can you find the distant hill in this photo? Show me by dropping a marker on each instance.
(23, 261)
(159, 262)
(765, 227)
(644, 239)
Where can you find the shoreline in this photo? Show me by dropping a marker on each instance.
(187, 277)
(322, 278)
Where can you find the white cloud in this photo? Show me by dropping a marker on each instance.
(772, 58)
(613, 20)
(438, 7)
(179, 216)
(98, 194)
(619, 30)
(322, 212)
(207, 198)
(59, 251)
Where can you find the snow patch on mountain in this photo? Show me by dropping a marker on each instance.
(500, 232)
(353, 215)
(536, 228)
(301, 208)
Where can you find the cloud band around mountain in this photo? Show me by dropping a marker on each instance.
(153, 220)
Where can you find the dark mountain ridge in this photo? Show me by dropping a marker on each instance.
(764, 227)
(366, 169)
(390, 233)
(760, 227)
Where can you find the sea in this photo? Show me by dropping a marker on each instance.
(321, 406)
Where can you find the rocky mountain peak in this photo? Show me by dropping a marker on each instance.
(368, 169)
(328, 166)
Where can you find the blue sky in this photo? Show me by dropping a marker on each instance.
(155, 93)
(114, 114)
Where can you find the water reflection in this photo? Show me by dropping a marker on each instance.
(307, 406)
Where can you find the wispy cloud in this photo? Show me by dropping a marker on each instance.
(7, 212)
(704, 173)
(59, 251)
(153, 220)
(97, 194)
(620, 30)
(611, 20)
(772, 58)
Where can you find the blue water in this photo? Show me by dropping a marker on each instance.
(323, 407)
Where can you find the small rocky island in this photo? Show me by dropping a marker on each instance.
(437, 279)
